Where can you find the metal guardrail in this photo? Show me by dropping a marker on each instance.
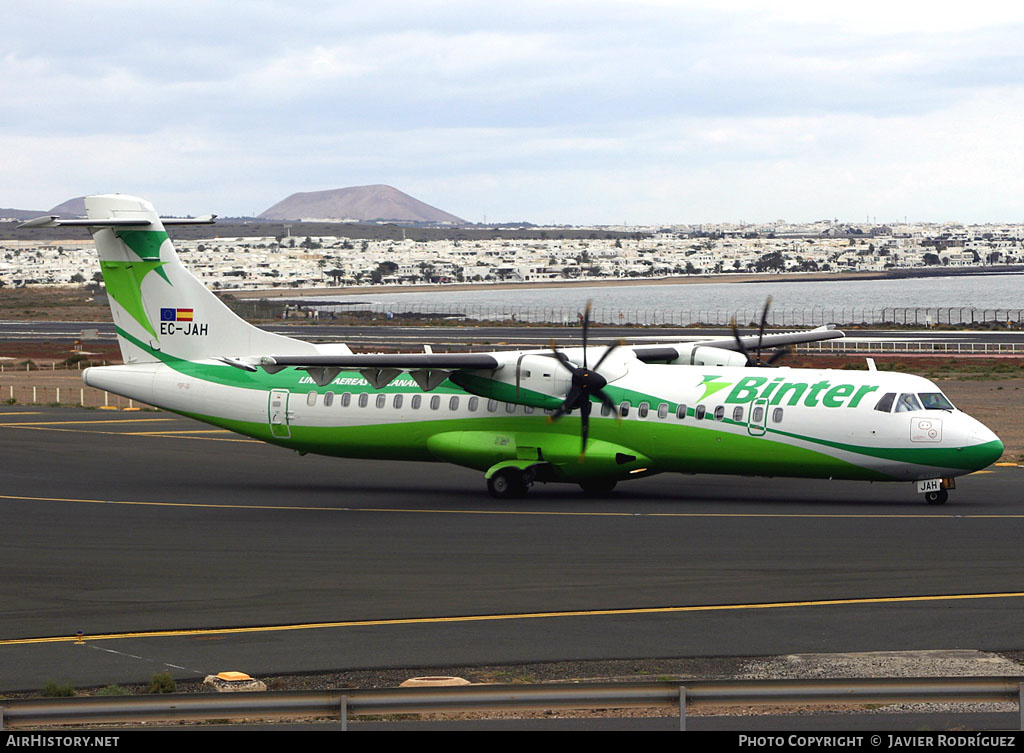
(341, 704)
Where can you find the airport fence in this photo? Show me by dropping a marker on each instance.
(341, 704)
(814, 316)
(910, 347)
(85, 397)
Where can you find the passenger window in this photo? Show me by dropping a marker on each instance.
(363, 399)
(382, 400)
(417, 400)
(699, 412)
(398, 401)
(492, 406)
(605, 410)
(643, 409)
(758, 415)
(663, 410)
(453, 403)
(624, 408)
(311, 398)
(510, 407)
(346, 399)
(681, 411)
(474, 403)
(737, 413)
(435, 402)
(777, 416)
(908, 402)
(328, 399)
(527, 409)
(885, 403)
(719, 412)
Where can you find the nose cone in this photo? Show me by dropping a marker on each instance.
(982, 447)
(985, 448)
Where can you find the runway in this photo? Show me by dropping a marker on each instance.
(170, 544)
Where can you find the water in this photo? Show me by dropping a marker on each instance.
(711, 301)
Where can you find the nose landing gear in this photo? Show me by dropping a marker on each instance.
(936, 490)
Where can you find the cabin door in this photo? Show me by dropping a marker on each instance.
(278, 414)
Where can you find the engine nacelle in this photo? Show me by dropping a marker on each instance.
(526, 379)
(695, 354)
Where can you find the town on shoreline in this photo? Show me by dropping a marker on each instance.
(288, 264)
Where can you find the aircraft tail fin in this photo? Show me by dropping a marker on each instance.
(159, 308)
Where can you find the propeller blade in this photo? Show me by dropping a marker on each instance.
(607, 352)
(561, 357)
(607, 401)
(777, 355)
(764, 323)
(739, 343)
(584, 427)
(570, 402)
(587, 383)
(586, 325)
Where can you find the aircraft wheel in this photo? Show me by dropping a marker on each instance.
(508, 483)
(598, 485)
(936, 498)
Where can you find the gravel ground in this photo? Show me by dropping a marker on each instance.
(951, 663)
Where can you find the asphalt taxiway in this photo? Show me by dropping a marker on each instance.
(173, 545)
(463, 335)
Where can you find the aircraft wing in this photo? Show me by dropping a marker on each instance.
(430, 369)
(656, 353)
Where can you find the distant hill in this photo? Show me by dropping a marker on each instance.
(70, 208)
(21, 214)
(364, 203)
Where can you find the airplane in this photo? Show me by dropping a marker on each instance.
(592, 415)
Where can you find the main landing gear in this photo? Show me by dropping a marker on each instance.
(510, 483)
(513, 483)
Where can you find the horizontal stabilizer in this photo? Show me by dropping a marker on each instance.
(55, 221)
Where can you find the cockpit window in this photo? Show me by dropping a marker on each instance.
(935, 401)
(908, 402)
(885, 404)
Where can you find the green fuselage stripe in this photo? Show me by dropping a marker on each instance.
(684, 445)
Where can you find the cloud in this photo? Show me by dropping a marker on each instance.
(561, 111)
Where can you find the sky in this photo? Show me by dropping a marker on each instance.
(629, 112)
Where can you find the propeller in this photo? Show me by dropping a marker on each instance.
(756, 360)
(587, 383)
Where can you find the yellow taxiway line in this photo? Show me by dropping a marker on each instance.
(183, 434)
(549, 513)
(512, 616)
(93, 421)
